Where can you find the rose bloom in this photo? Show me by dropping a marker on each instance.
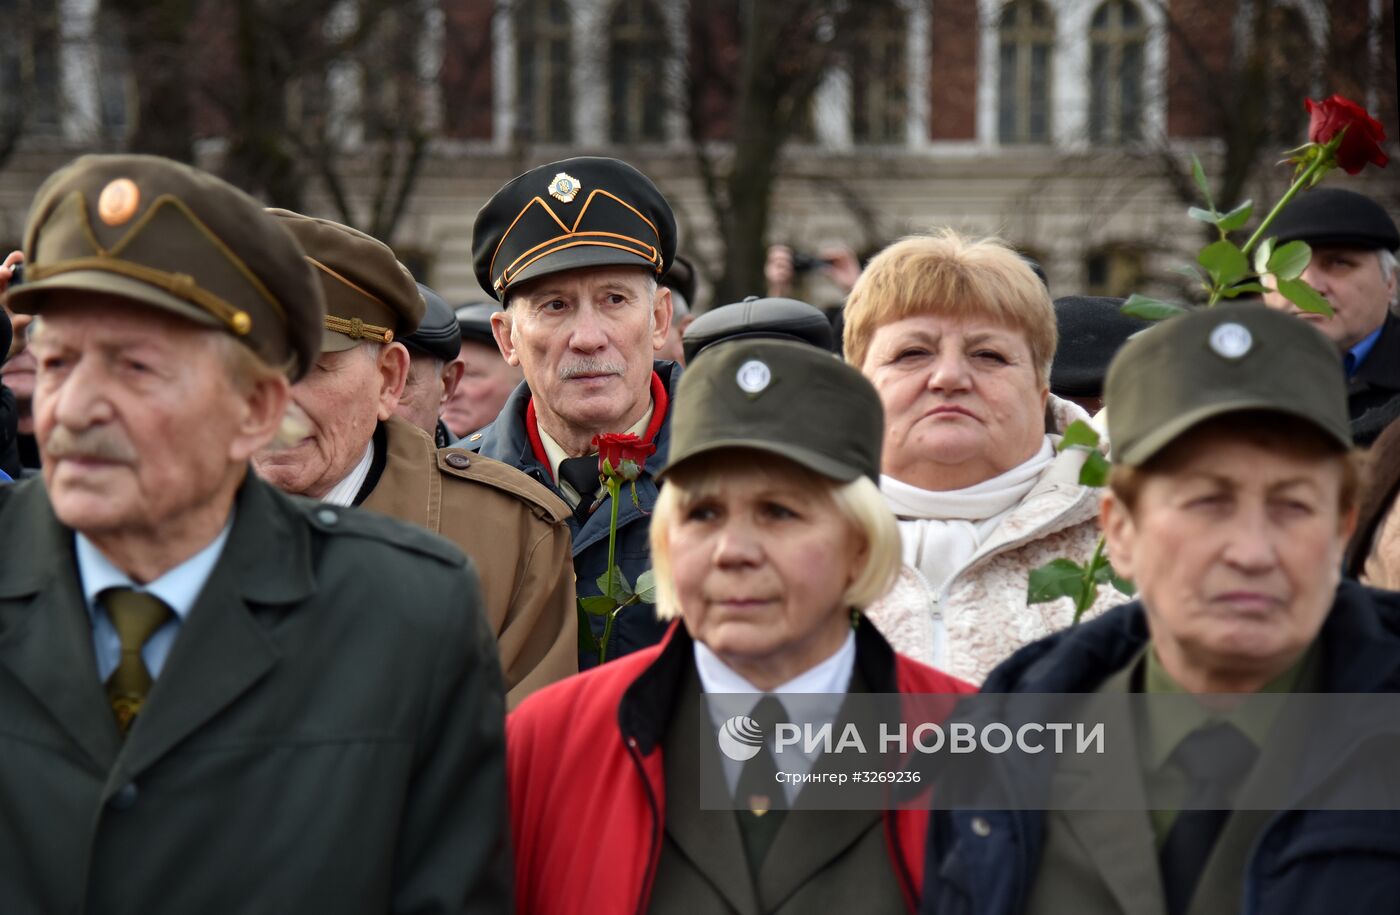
(1361, 145)
(616, 447)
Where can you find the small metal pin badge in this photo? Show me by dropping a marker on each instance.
(564, 187)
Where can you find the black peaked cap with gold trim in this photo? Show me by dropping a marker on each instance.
(582, 212)
(164, 234)
(370, 296)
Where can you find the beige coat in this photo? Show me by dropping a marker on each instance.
(984, 605)
(515, 531)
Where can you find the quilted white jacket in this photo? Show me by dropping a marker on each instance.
(983, 606)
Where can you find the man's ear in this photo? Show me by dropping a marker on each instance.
(452, 374)
(502, 322)
(393, 375)
(265, 405)
(661, 317)
(1119, 533)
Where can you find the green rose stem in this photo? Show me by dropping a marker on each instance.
(1324, 160)
(614, 489)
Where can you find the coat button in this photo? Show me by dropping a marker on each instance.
(459, 460)
(326, 516)
(125, 798)
(981, 827)
(476, 437)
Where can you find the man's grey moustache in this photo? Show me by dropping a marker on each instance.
(591, 368)
(90, 445)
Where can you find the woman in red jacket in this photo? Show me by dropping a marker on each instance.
(768, 536)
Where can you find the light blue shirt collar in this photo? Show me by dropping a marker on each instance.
(1358, 353)
(178, 588)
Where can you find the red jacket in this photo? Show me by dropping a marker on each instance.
(587, 783)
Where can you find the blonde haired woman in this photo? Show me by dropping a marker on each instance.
(957, 335)
(768, 536)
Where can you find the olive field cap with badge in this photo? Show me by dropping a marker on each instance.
(775, 318)
(1336, 216)
(164, 234)
(584, 212)
(438, 334)
(783, 397)
(1228, 359)
(474, 322)
(370, 296)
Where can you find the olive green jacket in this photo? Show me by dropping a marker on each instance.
(326, 734)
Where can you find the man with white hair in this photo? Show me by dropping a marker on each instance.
(573, 250)
(1353, 266)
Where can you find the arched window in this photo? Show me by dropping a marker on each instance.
(879, 76)
(1027, 39)
(543, 57)
(1117, 40)
(637, 58)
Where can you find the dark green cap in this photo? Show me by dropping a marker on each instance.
(1229, 359)
(783, 397)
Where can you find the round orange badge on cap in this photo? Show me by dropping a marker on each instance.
(118, 201)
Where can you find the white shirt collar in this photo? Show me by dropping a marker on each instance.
(178, 587)
(344, 492)
(830, 676)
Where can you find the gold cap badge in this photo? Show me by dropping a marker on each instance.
(564, 187)
(118, 201)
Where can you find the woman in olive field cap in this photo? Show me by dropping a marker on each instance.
(957, 335)
(768, 536)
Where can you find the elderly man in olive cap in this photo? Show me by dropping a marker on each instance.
(574, 250)
(1353, 265)
(357, 451)
(1231, 501)
(215, 696)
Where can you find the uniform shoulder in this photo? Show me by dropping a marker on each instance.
(484, 471)
(334, 521)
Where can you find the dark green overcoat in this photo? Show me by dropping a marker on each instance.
(326, 734)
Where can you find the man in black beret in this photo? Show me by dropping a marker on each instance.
(487, 378)
(680, 279)
(433, 368)
(574, 251)
(1353, 266)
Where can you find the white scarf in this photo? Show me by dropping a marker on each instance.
(942, 530)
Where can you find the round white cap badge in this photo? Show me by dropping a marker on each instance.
(1231, 340)
(753, 376)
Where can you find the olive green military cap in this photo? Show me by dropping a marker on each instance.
(172, 237)
(783, 397)
(1236, 358)
(370, 296)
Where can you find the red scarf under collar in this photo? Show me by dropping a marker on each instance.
(659, 402)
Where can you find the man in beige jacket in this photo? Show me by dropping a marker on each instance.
(356, 451)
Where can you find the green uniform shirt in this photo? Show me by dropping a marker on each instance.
(1166, 725)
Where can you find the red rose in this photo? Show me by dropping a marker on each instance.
(615, 449)
(1361, 145)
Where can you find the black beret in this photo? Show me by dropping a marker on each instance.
(754, 317)
(681, 278)
(474, 322)
(1091, 329)
(584, 212)
(1333, 216)
(437, 335)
